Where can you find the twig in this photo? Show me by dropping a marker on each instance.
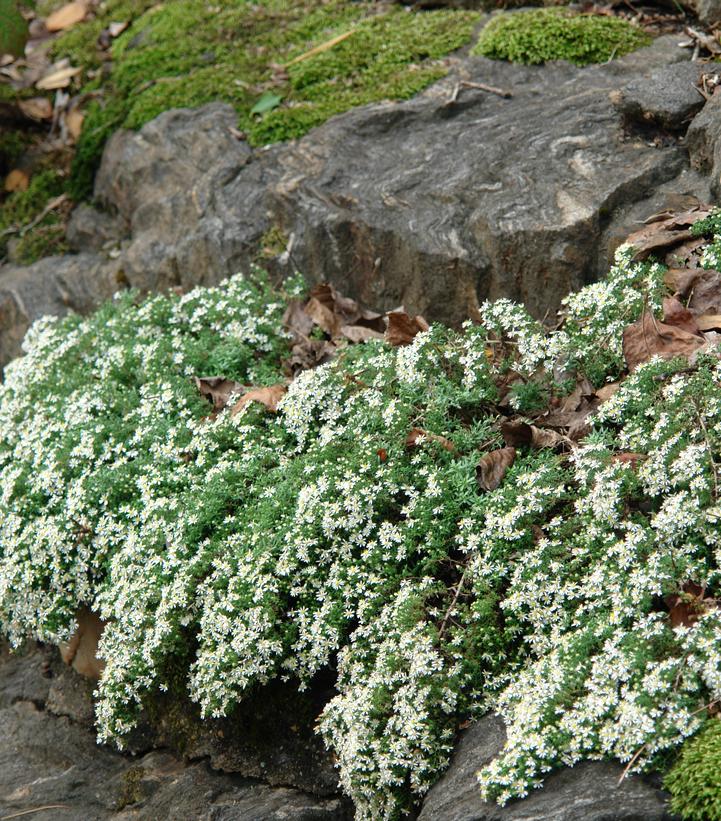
(490, 89)
(23, 229)
(321, 48)
(459, 587)
(36, 809)
(630, 764)
(714, 469)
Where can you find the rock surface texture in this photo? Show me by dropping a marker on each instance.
(437, 203)
(589, 791)
(49, 759)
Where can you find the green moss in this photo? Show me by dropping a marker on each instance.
(22, 207)
(176, 55)
(130, 791)
(273, 242)
(12, 146)
(695, 780)
(541, 35)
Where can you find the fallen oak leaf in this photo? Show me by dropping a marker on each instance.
(66, 17)
(269, 397)
(417, 436)
(74, 123)
(517, 433)
(57, 79)
(709, 322)
(217, 389)
(648, 337)
(359, 333)
(403, 328)
(604, 393)
(17, 180)
(674, 313)
(36, 108)
(492, 468)
(629, 458)
(296, 320)
(691, 602)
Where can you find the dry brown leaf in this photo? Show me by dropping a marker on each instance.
(709, 322)
(217, 389)
(37, 108)
(296, 320)
(607, 391)
(666, 233)
(309, 353)
(681, 280)
(66, 17)
(74, 122)
(518, 432)
(17, 180)
(359, 333)
(58, 79)
(269, 397)
(674, 313)
(492, 467)
(82, 650)
(403, 328)
(705, 298)
(116, 29)
(689, 604)
(323, 316)
(333, 312)
(649, 337)
(629, 458)
(418, 435)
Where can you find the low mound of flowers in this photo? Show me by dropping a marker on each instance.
(499, 517)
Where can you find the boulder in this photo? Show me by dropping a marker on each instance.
(668, 98)
(590, 791)
(52, 767)
(707, 11)
(436, 203)
(703, 141)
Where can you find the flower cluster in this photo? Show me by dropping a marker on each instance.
(257, 546)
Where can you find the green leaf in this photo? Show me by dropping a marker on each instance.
(267, 102)
(13, 29)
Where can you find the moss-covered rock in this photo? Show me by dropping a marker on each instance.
(318, 58)
(695, 780)
(540, 35)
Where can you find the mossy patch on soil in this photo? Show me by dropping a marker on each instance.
(541, 35)
(18, 211)
(695, 780)
(184, 54)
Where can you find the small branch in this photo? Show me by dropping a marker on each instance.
(36, 809)
(321, 48)
(459, 587)
(23, 229)
(500, 92)
(630, 764)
